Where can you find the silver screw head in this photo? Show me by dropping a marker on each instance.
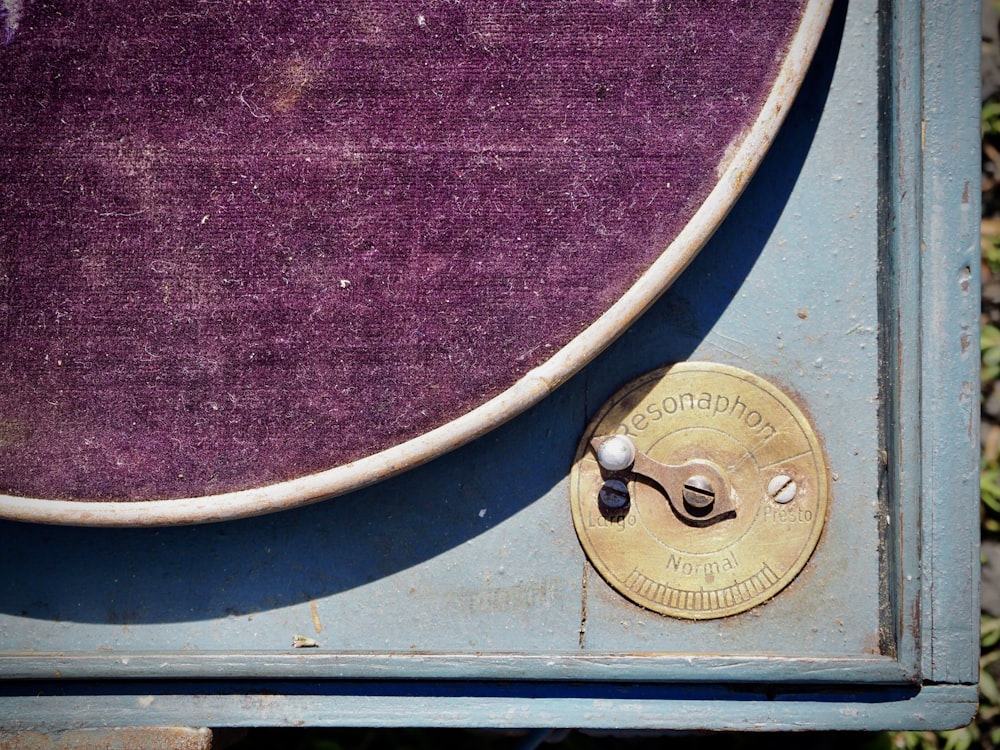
(616, 453)
(698, 492)
(782, 489)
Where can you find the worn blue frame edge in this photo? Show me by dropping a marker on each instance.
(949, 256)
(492, 704)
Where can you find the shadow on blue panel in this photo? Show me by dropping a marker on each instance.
(135, 576)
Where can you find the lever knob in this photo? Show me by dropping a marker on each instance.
(616, 453)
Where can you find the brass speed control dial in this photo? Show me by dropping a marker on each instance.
(699, 491)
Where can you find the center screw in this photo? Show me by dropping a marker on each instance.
(699, 495)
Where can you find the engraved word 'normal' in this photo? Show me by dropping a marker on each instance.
(708, 568)
(715, 405)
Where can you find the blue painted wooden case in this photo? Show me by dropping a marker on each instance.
(458, 594)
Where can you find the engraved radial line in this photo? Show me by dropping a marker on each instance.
(753, 451)
(787, 459)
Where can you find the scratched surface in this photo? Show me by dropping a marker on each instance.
(475, 552)
(474, 556)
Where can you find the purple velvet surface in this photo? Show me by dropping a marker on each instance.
(242, 242)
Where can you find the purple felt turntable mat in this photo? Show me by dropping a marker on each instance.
(242, 242)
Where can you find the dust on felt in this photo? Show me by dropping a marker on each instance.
(288, 82)
(11, 12)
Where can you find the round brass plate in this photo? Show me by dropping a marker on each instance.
(695, 420)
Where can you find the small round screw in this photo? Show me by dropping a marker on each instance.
(699, 493)
(782, 489)
(616, 453)
(614, 494)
